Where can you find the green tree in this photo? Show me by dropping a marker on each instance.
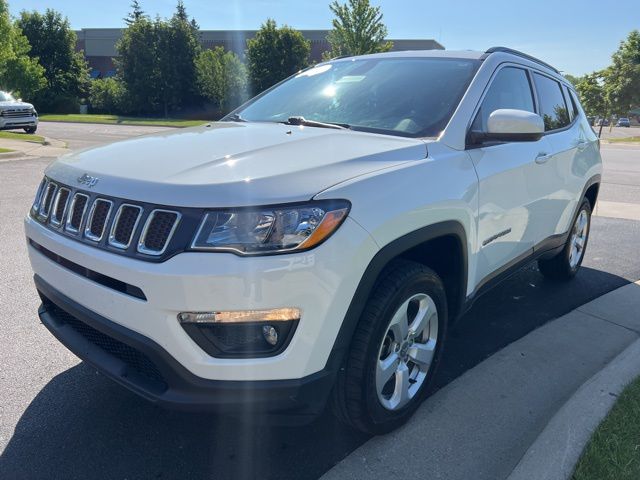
(573, 79)
(109, 95)
(222, 78)
(135, 14)
(137, 65)
(592, 96)
(19, 73)
(65, 69)
(357, 29)
(274, 54)
(178, 48)
(622, 77)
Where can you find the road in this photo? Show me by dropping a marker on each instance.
(60, 419)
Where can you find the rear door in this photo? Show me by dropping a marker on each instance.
(559, 170)
(511, 183)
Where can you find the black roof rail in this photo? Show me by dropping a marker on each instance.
(519, 54)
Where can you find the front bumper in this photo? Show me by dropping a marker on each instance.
(144, 367)
(320, 282)
(20, 122)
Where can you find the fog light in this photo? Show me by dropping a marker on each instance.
(241, 316)
(241, 334)
(270, 334)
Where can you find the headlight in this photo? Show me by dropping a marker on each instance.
(264, 230)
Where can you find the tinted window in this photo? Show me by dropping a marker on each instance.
(401, 96)
(509, 89)
(573, 108)
(553, 110)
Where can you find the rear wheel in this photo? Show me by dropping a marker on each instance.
(30, 130)
(566, 264)
(395, 350)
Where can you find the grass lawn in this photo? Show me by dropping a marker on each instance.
(613, 453)
(25, 137)
(117, 120)
(5, 150)
(625, 140)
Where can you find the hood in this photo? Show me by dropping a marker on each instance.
(233, 164)
(11, 105)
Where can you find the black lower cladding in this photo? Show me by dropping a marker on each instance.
(144, 367)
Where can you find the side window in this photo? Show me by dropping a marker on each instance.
(573, 108)
(510, 88)
(553, 109)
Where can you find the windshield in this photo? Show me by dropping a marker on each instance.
(6, 97)
(412, 97)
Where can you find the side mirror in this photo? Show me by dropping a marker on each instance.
(510, 125)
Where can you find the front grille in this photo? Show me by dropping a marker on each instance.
(45, 206)
(124, 225)
(77, 211)
(159, 227)
(141, 230)
(137, 362)
(97, 219)
(22, 113)
(60, 206)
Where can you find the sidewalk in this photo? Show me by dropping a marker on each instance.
(496, 417)
(24, 149)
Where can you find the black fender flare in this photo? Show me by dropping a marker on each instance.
(377, 264)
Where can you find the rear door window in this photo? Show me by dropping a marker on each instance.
(553, 108)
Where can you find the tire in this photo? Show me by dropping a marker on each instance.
(30, 130)
(565, 265)
(418, 292)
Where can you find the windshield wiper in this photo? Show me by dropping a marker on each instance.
(312, 123)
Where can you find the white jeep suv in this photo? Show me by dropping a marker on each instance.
(316, 243)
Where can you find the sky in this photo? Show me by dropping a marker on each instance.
(576, 36)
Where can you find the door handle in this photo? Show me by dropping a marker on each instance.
(582, 145)
(542, 158)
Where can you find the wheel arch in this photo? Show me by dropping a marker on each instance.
(425, 246)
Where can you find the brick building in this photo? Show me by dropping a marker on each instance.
(99, 44)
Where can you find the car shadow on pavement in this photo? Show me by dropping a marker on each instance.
(81, 425)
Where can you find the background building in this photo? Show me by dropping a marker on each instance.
(99, 45)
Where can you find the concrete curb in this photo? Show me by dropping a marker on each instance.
(555, 453)
(7, 155)
(490, 422)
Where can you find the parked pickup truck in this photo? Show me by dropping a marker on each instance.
(314, 246)
(16, 114)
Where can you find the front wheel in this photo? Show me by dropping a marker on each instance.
(30, 130)
(395, 350)
(566, 264)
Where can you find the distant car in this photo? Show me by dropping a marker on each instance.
(591, 120)
(603, 122)
(16, 114)
(623, 122)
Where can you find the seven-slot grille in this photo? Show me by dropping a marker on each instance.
(17, 113)
(107, 222)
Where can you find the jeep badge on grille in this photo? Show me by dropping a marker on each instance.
(88, 180)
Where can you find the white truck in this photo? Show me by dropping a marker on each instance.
(314, 246)
(16, 114)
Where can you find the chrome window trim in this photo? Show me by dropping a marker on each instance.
(55, 221)
(87, 225)
(112, 233)
(41, 213)
(67, 226)
(143, 236)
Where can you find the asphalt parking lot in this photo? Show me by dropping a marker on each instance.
(60, 419)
